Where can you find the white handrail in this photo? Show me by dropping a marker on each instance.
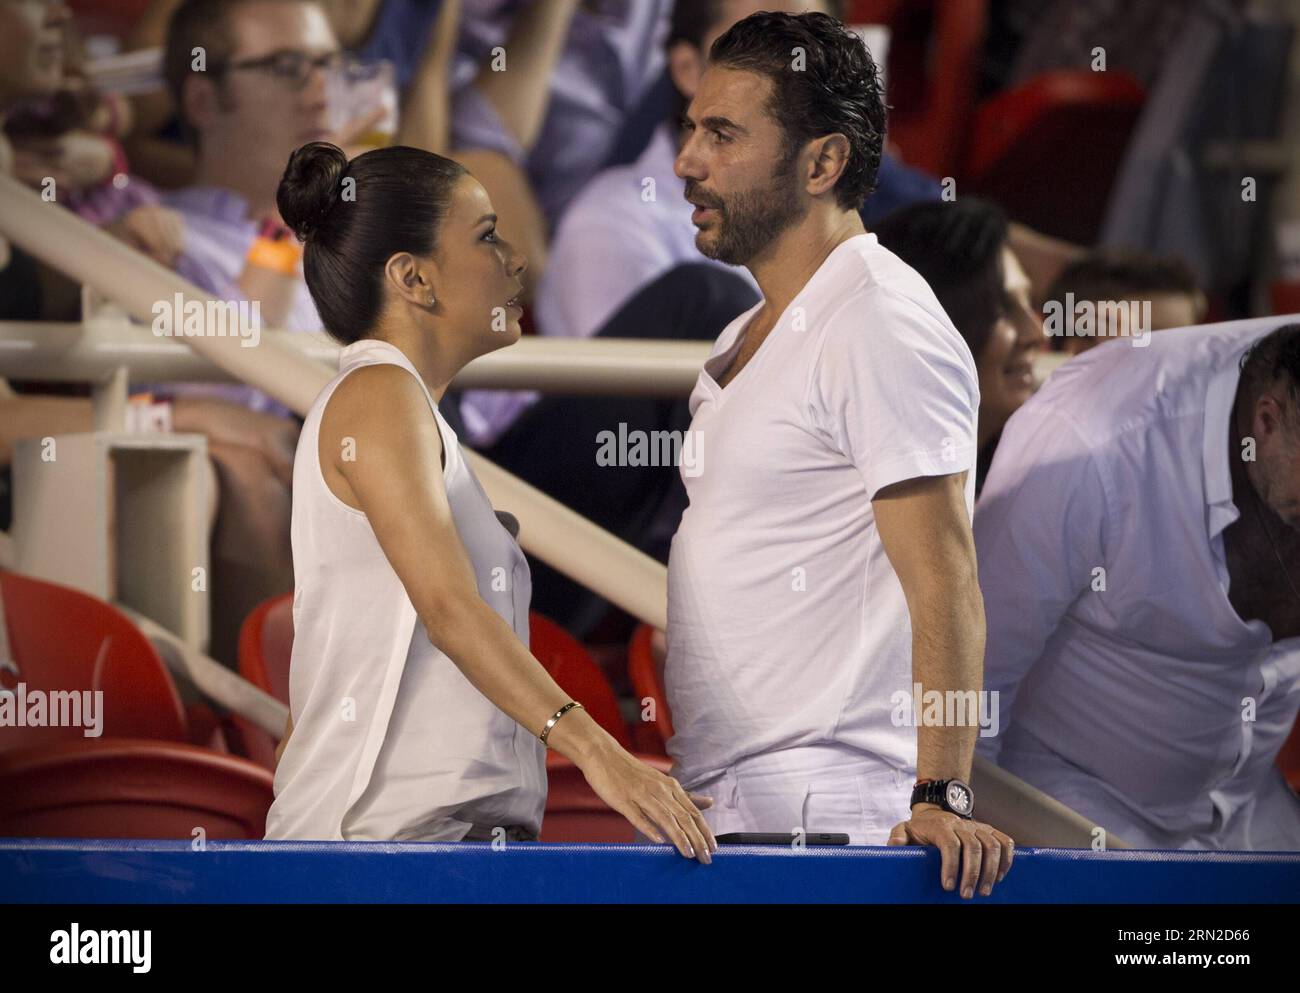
(91, 350)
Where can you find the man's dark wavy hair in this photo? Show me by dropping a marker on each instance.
(1273, 363)
(836, 90)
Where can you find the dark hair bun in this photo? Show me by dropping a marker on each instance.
(311, 185)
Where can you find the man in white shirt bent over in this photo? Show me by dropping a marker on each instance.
(825, 564)
(1139, 550)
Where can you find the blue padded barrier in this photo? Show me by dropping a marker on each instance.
(70, 871)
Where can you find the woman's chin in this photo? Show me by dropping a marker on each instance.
(503, 336)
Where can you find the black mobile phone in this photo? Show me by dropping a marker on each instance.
(784, 840)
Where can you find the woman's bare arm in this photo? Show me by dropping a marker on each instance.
(393, 474)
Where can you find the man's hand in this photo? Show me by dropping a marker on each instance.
(76, 160)
(983, 852)
(276, 438)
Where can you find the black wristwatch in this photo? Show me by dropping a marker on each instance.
(952, 795)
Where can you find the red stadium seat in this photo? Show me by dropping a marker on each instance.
(206, 729)
(935, 50)
(265, 647)
(1288, 759)
(266, 644)
(131, 788)
(1009, 148)
(575, 813)
(644, 677)
(1021, 138)
(65, 640)
(115, 17)
(571, 665)
(1284, 295)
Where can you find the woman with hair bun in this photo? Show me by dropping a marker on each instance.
(417, 711)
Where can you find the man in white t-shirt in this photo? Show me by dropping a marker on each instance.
(825, 565)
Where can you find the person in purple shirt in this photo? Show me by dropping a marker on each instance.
(611, 56)
(260, 94)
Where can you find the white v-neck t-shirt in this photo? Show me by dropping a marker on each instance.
(787, 625)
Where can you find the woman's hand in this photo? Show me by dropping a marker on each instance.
(655, 804)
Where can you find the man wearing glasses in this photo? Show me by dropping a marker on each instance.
(250, 80)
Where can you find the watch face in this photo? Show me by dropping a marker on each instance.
(959, 797)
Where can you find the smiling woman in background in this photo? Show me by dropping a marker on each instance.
(400, 733)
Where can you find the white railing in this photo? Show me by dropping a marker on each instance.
(92, 350)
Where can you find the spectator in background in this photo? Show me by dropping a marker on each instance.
(1139, 552)
(33, 55)
(31, 67)
(532, 134)
(576, 70)
(1109, 279)
(961, 249)
(261, 93)
(417, 36)
(69, 142)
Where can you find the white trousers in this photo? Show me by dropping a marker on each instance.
(817, 788)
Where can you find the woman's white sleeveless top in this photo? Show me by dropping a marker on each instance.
(390, 740)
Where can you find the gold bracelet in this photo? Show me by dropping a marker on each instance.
(555, 718)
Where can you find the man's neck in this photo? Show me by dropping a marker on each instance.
(784, 267)
(224, 173)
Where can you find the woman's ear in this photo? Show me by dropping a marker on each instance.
(411, 279)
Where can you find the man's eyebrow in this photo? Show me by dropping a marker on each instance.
(714, 123)
(724, 124)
